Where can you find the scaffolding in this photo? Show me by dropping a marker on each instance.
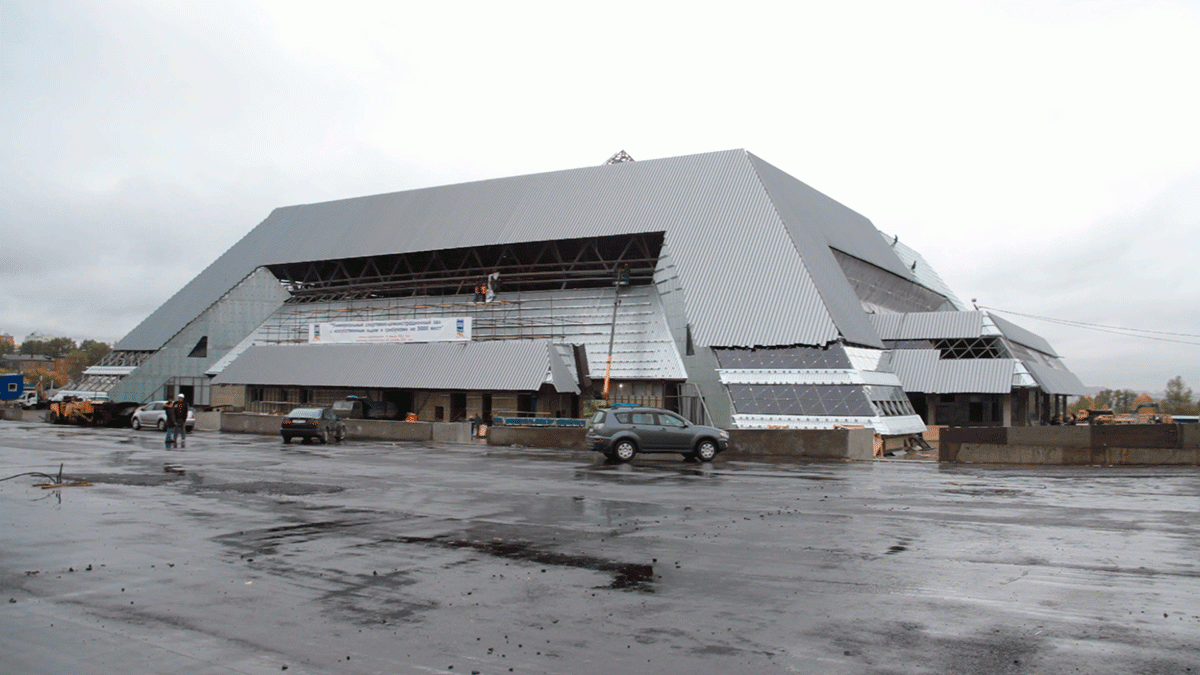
(643, 345)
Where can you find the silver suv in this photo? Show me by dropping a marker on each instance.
(622, 432)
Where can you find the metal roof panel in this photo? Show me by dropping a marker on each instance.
(1056, 380)
(928, 325)
(1022, 336)
(727, 243)
(921, 370)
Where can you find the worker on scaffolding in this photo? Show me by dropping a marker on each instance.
(492, 287)
(623, 275)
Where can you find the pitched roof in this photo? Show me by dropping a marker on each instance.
(928, 325)
(749, 243)
(1022, 336)
(922, 370)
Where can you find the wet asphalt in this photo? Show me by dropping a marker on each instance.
(240, 555)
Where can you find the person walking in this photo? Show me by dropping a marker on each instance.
(177, 416)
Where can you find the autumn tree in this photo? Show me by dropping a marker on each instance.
(8, 345)
(88, 354)
(46, 378)
(1123, 400)
(1178, 400)
(1117, 400)
(1081, 404)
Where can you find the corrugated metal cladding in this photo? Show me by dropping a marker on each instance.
(922, 370)
(815, 222)
(1055, 381)
(502, 365)
(924, 274)
(928, 325)
(841, 228)
(746, 284)
(1021, 336)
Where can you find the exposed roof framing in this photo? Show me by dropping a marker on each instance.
(620, 158)
(534, 266)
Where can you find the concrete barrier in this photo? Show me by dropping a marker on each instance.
(1189, 435)
(452, 432)
(22, 415)
(1064, 436)
(250, 423)
(1085, 445)
(571, 438)
(380, 430)
(389, 430)
(208, 420)
(815, 443)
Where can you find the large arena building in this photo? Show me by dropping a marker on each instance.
(714, 284)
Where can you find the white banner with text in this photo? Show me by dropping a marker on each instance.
(446, 329)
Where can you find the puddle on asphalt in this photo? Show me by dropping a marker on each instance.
(174, 473)
(626, 576)
(287, 489)
(134, 480)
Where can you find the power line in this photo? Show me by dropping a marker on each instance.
(1116, 330)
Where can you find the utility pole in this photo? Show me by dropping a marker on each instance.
(621, 280)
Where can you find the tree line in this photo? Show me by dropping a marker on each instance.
(1177, 401)
(70, 359)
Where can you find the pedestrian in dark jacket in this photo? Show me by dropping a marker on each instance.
(177, 417)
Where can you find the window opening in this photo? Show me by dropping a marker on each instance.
(200, 350)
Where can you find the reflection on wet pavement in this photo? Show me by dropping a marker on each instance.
(239, 556)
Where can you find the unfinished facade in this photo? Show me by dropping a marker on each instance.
(714, 284)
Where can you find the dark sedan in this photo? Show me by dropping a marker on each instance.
(308, 423)
(621, 433)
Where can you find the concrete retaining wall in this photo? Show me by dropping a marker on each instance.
(824, 444)
(250, 423)
(816, 443)
(382, 430)
(22, 415)
(208, 420)
(571, 438)
(388, 430)
(1105, 445)
(449, 432)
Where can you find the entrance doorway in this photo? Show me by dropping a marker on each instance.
(458, 407)
(403, 400)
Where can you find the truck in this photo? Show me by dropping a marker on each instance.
(29, 400)
(89, 409)
(357, 407)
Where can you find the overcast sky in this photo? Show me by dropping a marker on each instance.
(1043, 156)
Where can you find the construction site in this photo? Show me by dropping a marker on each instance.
(714, 285)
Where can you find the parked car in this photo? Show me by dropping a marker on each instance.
(309, 423)
(154, 414)
(621, 433)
